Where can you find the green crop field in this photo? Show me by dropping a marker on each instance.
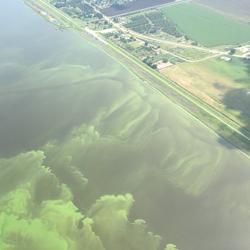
(206, 26)
(239, 8)
(237, 70)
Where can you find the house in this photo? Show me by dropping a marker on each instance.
(160, 65)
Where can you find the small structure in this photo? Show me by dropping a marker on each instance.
(43, 13)
(109, 30)
(160, 65)
(226, 58)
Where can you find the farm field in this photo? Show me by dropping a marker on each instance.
(133, 6)
(240, 8)
(217, 82)
(206, 26)
(190, 54)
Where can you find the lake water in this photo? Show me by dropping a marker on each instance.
(87, 150)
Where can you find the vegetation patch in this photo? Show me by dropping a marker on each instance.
(77, 9)
(153, 22)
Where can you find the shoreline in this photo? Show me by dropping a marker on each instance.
(216, 121)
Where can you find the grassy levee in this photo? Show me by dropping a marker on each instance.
(212, 118)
